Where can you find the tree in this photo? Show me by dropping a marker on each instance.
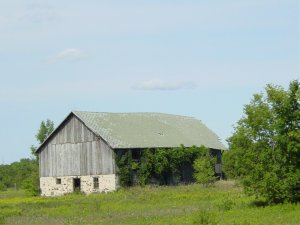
(31, 183)
(46, 128)
(25, 173)
(15, 174)
(265, 147)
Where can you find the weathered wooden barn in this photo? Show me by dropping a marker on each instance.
(79, 154)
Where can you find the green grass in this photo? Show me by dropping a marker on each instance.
(11, 193)
(223, 203)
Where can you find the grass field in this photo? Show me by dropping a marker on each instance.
(224, 203)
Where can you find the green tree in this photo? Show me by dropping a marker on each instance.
(204, 167)
(45, 129)
(15, 174)
(24, 174)
(31, 183)
(265, 147)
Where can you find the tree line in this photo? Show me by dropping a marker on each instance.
(24, 174)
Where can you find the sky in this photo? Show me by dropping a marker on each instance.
(203, 59)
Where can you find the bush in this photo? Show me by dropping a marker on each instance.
(204, 171)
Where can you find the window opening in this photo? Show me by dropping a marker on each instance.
(96, 182)
(58, 180)
(76, 184)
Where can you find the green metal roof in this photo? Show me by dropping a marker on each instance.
(149, 130)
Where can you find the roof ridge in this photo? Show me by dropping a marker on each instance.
(160, 113)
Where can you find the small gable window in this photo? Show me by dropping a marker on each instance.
(96, 182)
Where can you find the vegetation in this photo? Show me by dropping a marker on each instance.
(16, 174)
(24, 174)
(223, 203)
(204, 169)
(46, 128)
(165, 166)
(265, 147)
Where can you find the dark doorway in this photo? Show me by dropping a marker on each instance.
(76, 184)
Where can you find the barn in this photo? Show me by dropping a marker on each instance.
(80, 152)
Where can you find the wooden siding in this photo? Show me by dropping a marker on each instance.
(75, 150)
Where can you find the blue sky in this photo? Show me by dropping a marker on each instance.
(197, 58)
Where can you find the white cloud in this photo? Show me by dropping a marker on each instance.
(164, 85)
(69, 54)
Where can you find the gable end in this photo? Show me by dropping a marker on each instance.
(71, 130)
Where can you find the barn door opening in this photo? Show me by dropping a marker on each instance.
(76, 184)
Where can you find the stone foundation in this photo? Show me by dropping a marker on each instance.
(56, 186)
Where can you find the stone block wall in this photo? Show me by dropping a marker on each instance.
(50, 187)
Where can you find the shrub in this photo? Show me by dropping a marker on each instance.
(204, 171)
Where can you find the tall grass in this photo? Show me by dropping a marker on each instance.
(223, 203)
